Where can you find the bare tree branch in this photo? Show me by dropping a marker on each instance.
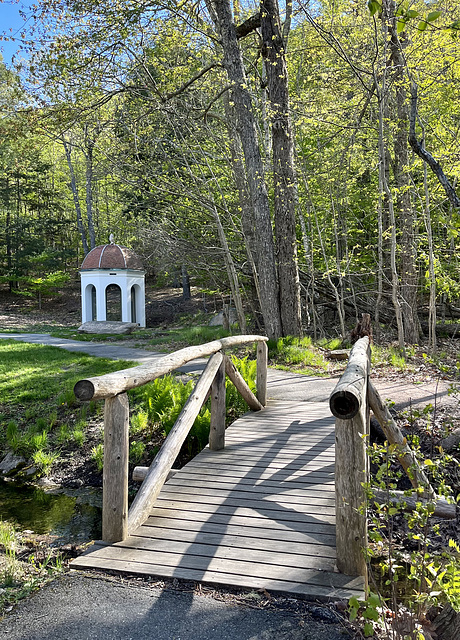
(426, 155)
(248, 26)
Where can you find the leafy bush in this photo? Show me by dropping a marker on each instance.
(408, 559)
(136, 451)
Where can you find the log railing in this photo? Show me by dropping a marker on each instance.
(350, 403)
(117, 522)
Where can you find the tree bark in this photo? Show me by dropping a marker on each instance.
(284, 174)
(89, 149)
(408, 270)
(246, 128)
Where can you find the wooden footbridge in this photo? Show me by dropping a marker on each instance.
(260, 507)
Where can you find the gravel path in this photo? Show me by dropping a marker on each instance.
(79, 607)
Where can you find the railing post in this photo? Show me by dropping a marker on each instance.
(262, 361)
(217, 430)
(115, 475)
(349, 405)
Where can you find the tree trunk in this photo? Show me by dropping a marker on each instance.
(76, 199)
(89, 145)
(408, 270)
(246, 127)
(284, 174)
(239, 175)
(384, 182)
(186, 294)
(231, 272)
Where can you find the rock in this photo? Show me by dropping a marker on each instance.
(105, 326)
(74, 483)
(218, 320)
(324, 614)
(338, 354)
(11, 464)
(452, 441)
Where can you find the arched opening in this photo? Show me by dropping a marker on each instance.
(91, 308)
(93, 303)
(133, 304)
(113, 303)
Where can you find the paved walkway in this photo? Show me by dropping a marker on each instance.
(282, 385)
(79, 607)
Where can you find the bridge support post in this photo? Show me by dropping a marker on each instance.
(262, 362)
(349, 405)
(115, 475)
(217, 429)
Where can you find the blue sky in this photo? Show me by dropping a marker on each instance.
(10, 19)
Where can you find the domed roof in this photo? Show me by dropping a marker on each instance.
(112, 256)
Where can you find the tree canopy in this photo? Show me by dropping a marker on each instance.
(302, 158)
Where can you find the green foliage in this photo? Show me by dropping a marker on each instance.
(136, 451)
(236, 406)
(292, 351)
(139, 422)
(36, 386)
(40, 286)
(162, 400)
(413, 579)
(39, 441)
(370, 611)
(97, 456)
(7, 537)
(78, 436)
(64, 434)
(44, 461)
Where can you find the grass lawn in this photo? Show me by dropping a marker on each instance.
(39, 414)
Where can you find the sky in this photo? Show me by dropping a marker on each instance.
(11, 20)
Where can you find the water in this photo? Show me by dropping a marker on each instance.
(73, 516)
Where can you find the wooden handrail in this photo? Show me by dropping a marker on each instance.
(348, 402)
(164, 460)
(111, 384)
(116, 521)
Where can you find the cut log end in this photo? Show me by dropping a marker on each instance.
(84, 390)
(344, 405)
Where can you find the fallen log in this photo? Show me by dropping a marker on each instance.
(442, 508)
(447, 624)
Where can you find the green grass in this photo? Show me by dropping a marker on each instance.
(188, 336)
(390, 356)
(40, 414)
(31, 373)
(297, 353)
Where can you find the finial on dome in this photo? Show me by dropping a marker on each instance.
(111, 239)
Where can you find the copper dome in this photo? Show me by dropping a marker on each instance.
(112, 256)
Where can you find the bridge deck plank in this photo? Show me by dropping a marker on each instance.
(259, 514)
